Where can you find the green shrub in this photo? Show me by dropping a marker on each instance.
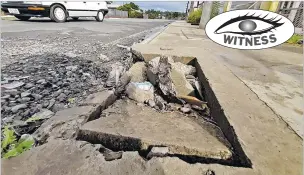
(195, 16)
(10, 147)
(135, 14)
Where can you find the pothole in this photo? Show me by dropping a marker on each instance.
(174, 118)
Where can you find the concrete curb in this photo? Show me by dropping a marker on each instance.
(151, 37)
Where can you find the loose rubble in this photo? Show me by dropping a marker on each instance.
(165, 85)
(47, 82)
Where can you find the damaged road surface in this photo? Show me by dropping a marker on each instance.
(49, 67)
(108, 107)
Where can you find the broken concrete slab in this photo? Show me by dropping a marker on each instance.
(139, 127)
(70, 157)
(65, 123)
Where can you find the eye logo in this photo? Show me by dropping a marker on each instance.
(249, 29)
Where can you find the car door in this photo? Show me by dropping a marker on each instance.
(93, 8)
(76, 8)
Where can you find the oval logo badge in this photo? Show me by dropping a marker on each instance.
(249, 29)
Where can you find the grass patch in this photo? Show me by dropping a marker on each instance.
(294, 39)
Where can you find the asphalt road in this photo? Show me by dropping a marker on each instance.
(85, 37)
(44, 53)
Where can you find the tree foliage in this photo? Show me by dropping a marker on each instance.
(133, 10)
(154, 14)
(128, 7)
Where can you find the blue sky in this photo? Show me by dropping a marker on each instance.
(162, 6)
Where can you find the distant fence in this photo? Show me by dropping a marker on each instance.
(113, 13)
(294, 12)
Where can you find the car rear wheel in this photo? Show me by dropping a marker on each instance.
(99, 16)
(58, 13)
(23, 18)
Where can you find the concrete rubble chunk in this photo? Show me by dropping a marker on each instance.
(182, 86)
(25, 94)
(185, 110)
(184, 68)
(138, 72)
(140, 127)
(13, 85)
(117, 70)
(151, 103)
(43, 114)
(160, 102)
(140, 92)
(158, 152)
(12, 91)
(170, 79)
(209, 172)
(159, 74)
(103, 57)
(103, 98)
(18, 107)
(110, 155)
(123, 82)
(72, 68)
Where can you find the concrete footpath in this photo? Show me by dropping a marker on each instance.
(275, 75)
(259, 91)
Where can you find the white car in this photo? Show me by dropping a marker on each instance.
(58, 11)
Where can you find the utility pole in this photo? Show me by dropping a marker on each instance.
(187, 11)
(191, 6)
(227, 6)
(206, 13)
(257, 5)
